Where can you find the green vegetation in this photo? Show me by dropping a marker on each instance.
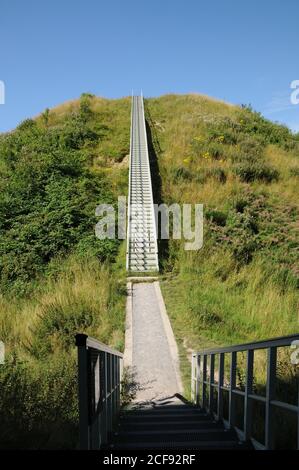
(56, 278)
(243, 284)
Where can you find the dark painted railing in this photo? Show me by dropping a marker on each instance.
(218, 396)
(99, 380)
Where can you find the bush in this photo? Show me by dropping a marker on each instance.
(294, 171)
(215, 150)
(58, 325)
(223, 134)
(38, 404)
(251, 148)
(216, 217)
(48, 201)
(181, 173)
(218, 174)
(252, 122)
(248, 172)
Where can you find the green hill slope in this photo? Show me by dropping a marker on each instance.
(243, 284)
(56, 278)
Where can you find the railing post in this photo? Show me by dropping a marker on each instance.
(270, 395)
(220, 385)
(232, 386)
(211, 388)
(197, 379)
(204, 378)
(248, 391)
(193, 385)
(298, 412)
(83, 391)
(106, 409)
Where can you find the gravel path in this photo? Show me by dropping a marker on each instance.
(154, 351)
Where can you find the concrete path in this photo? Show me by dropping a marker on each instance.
(150, 348)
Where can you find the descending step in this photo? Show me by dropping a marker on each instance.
(142, 249)
(172, 424)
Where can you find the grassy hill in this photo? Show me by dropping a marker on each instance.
(243, 284)
(56, 278)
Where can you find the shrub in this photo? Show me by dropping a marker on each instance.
(248, 172)
(215, 216)
(251, 147)
(222, 134)
(215, 150)
(47, 206)
(38, 403)
(129, 386)
(294, 171)
(218, 174)
(58, 325)
(181, 173)
(252, 122)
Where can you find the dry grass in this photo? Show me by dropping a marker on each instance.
(211, 300)
(79, 284)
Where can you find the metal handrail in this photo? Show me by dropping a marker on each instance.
(277, 342)
(204, 362)
(150, 179)
(99, 387)
(129, 190)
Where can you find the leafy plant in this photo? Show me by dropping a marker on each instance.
(249, 172)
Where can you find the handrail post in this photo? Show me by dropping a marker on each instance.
(204, 378)
(232, 386)
(270, 395)
(211, 387)
(197, 379)
(220, 385)
(192, 378)
(83, 392)
(248, 391)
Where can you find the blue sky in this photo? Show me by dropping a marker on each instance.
(242, 52)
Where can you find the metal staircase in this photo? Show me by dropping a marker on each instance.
(172, 424)
(142, 249)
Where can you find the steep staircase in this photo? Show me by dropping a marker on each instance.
(142, 250)
(172, 424)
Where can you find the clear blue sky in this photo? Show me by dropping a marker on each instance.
(242, 52)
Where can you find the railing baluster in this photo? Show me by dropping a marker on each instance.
(270, 395)
(211, 388)
(106, 410)
(197, 379)
(220, 384)
(248, 391)
(232, 386)
(83, 391)
(204, 378)
(193, 384)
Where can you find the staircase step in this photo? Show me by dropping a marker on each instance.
(150, 416)
(175, 436)
(191, 445)
(166, 425)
